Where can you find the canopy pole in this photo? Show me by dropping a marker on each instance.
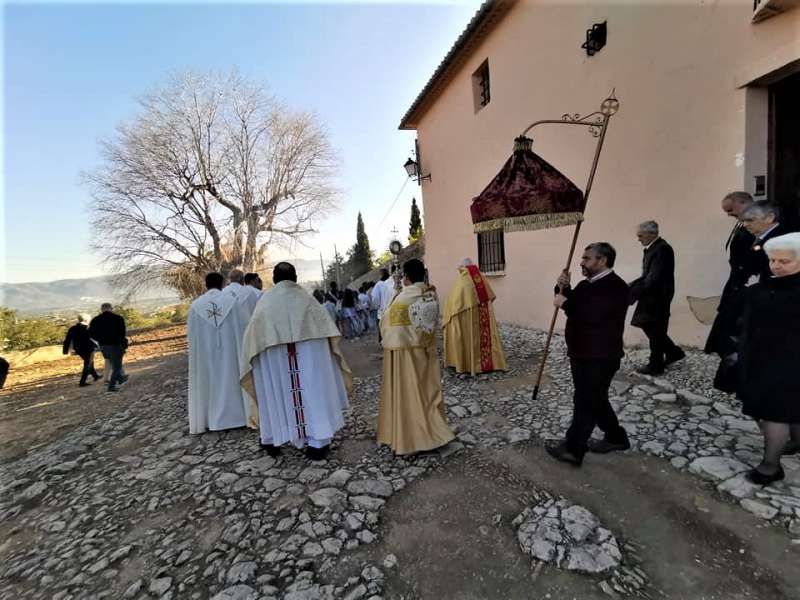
(608, 109)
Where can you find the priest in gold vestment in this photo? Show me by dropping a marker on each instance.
(411, 417)
(471, 339)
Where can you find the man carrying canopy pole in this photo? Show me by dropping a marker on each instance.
(595, 310)
(529, 194)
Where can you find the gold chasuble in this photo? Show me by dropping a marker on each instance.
(411, 417)
(471, 339)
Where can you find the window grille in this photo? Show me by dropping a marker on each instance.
(491, 251)
(481, 87)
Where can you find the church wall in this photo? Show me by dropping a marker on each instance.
(678, 144)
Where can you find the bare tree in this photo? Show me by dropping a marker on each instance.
(209, 173)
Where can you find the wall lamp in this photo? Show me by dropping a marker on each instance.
(595, 38)
(413, 170)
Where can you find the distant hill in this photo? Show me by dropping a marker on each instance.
(86, 295)
(75, 295)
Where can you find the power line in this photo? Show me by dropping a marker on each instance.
(396, 198)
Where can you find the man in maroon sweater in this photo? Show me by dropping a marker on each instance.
(595, 310)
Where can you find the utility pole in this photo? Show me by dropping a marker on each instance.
(322, 267)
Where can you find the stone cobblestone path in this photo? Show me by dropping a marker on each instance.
(131, 506)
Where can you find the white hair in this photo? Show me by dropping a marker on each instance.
(789, 242)
(760, 210)
(465, 262)
(84, 318)
(649, 227)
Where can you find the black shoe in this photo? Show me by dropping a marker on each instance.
(604, 446)
(759, 478)
(112, 388)
(680, 355)
(273, 451)
(96, 377)
(791, 448)
(83, 384)
(560, 452)
(317, 453)
(650, 370)
(123, 379)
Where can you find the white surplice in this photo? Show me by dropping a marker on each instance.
(301, 394)
(251, 296)
(246, 297)
(216, 399)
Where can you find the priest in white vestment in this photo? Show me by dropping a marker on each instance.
(245, 295)
(216, 401)
(292, 366)
(253, 285)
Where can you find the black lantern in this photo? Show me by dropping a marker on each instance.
(411, 167)
(595, 38)
(413, 170)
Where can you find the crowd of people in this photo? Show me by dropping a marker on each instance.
(755, 332)
(271, 360)
(355, 312)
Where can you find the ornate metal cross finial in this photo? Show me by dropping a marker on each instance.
(610, 105)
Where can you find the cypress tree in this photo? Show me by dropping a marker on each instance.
(415, 224)
(360, 255)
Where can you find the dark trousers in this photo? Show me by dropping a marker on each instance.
(113, 356)
(661, 346)
(591, 408)
(88, 367)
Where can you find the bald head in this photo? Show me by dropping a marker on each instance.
(236, 276)
(735, 203)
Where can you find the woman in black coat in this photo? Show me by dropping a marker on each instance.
(79, 340)
(769, 361)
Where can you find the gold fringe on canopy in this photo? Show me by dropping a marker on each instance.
(529, 222)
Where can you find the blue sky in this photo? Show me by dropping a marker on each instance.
(73, 71)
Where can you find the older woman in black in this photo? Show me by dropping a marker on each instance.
(769, 361)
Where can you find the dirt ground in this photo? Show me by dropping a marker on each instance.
(39, 402)
(453, 536)
(451, 530)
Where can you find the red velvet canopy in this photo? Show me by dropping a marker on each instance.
(527, 194)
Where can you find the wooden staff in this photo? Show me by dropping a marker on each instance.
(608, 109)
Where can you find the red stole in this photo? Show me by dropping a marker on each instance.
(484, 318)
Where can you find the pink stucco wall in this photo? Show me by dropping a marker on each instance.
(678, 144)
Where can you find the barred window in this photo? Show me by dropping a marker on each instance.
(480, 86)
(491, 251)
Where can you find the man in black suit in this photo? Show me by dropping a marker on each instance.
(595, 310)
(108, 330)
(652, 293)
(80, 341)
(738, 245)
(762, 221)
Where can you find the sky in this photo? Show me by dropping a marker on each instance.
(72, 72)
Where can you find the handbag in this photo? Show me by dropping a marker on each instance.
(727, 376)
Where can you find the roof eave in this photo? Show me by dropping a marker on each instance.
(488, 15)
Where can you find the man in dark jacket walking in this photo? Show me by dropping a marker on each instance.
(739, 244)
(595, 310)
(652, 293)
(108, 330)
(79, 340)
